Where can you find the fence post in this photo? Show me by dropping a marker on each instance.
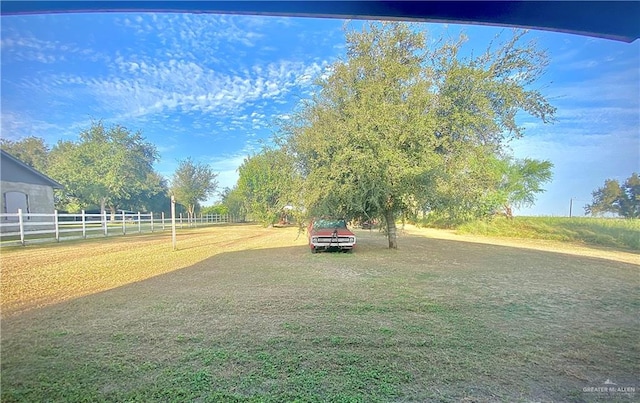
(139, 223)
(21, 224)
(162, 220)
(84, 226)
(173, 222)
(180, 220)
(124, 224)
(151, 215)
(104, 222)
(56, 224)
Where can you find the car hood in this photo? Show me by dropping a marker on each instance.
(329, 232)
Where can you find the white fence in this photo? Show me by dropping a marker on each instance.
(21, 228)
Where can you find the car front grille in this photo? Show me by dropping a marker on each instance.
(328, 239)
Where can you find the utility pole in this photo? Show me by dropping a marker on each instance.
(570, 207)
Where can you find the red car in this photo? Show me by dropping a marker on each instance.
(330, 234)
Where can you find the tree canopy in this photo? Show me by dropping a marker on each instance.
(622, 200)
(267, 183)
(521, 181)
(400, 123)
(109, 167)
(192, 183)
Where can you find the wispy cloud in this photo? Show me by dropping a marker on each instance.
(24, 47)
(193, 37)
(142, 88)
(185, 75)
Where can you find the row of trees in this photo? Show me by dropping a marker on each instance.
(400, 128)
(111, 168)
(397, 129)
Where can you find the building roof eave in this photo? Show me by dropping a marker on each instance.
(54, 184)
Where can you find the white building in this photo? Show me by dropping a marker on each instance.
(25, 188)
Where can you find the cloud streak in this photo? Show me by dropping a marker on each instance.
(184, 75)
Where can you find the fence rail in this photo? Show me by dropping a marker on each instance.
(21, 228)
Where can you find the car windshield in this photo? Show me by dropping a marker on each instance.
(324, 224)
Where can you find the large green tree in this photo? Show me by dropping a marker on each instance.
(398, 118)
(622, 200)
(192, 183)
(108, 167)
(268, 182)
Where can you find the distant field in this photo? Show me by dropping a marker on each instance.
(244, 313)
(617, 233)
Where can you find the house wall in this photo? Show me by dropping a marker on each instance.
(40, 198)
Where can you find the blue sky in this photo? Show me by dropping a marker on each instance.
(210, 87)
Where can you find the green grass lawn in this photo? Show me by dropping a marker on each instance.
(249, 314)
(618, 233)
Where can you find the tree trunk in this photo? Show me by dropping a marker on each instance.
(508, 212)
(190, 212)
(392, 233)
(113, 213)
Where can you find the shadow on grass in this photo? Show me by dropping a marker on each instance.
(435, 320)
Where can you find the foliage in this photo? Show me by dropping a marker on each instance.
(521, 181)
(153, 196)
(192, 183)
(267, 183)
(623, 200)
(215, 209)
(399, 125)
(233, 200)
(107, 167)
(466, 187)
(31, 150)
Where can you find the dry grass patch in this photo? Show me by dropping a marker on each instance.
(36, 276)
(265, 320)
